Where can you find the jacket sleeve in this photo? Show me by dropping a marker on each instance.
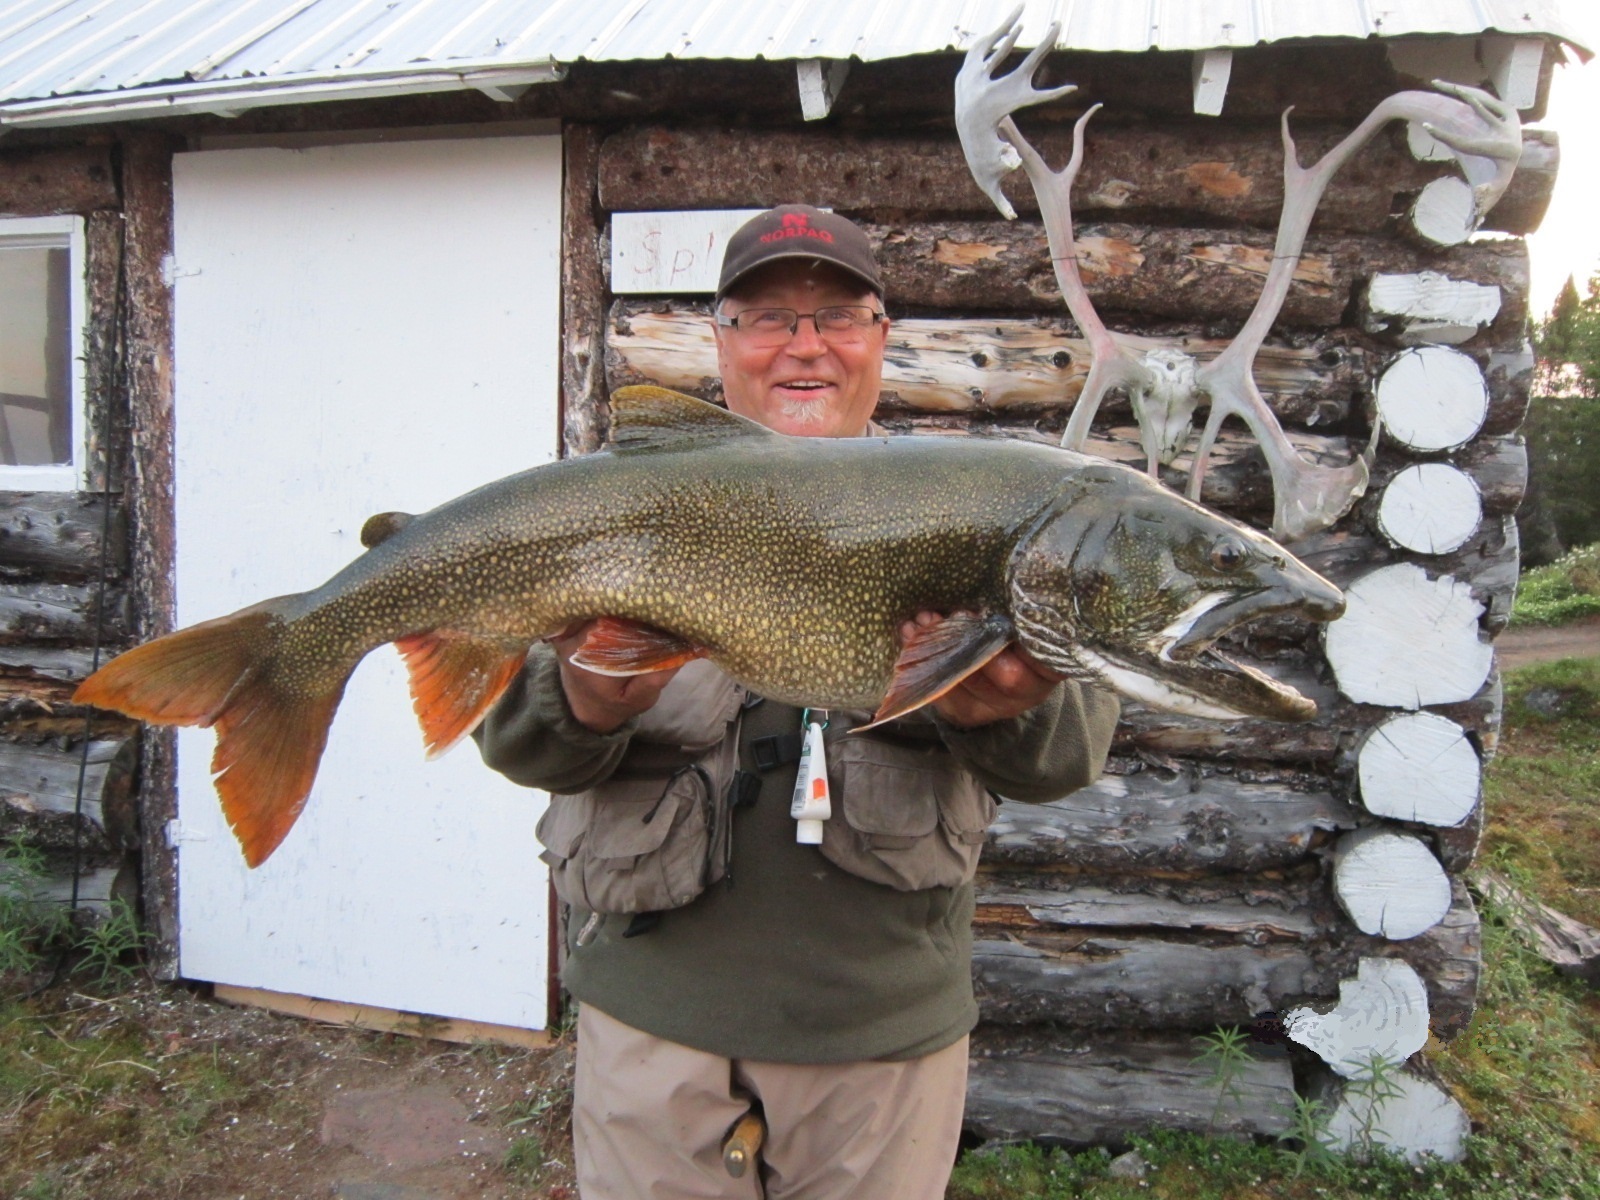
(1047, 752)
(531, 737)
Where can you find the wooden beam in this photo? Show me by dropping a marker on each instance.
(1174, 171)
(821, 80)
(583, 296)
(383, 1020)
(58, 533)
(147, 185)
(39, 183)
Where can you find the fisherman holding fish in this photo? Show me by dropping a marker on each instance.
(684, 589)
(727, 957)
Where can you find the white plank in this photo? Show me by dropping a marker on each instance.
(361, 328)
(1429, 308)
(1445, 212)
(1432, 398)
(820, 81)
(1407, 641)
(1419, 767)
(1389, 884)
(1211, 70)
(1383, 1011)
(1432, 508)
(676, 252)
(1513, 65)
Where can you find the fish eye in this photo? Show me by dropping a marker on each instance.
(1227, 555)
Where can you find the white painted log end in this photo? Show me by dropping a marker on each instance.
(1513, 64)
(820, 80)
(1431, 508)
(1422, 1121)
(1445, 213)
(1407, 641)
(1381, 1013)
(1428, 308)
(1432, 398)
(1389, 884)
(1419, 767)
(1211, 70)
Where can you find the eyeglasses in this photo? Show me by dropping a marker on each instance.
(838, 325)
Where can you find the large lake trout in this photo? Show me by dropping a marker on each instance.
(790, 562)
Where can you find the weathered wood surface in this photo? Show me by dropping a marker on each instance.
(1323, 742)
(58, 534)
(97, 886)
(1051, 1087)
(1184, 274)
(1570, 946)
(1225, 170)
(44, 182)
(1178, 821)
(1035, 959)
(582, 295)
(970, 365)
(105, 407)
(147, 185)
(62, 663)
(1259, 908)
(48, 775)
(45, 613)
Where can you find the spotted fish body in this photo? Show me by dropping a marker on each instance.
(791, 562)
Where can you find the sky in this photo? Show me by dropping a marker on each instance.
(1568, 240)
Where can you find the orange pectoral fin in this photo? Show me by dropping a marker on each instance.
(617, 646)
(938, 657)
(455, 680)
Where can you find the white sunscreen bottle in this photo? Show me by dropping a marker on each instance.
(811, 805)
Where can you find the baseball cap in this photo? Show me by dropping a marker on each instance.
(798, 231)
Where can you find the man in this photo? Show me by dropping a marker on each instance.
(828, 986)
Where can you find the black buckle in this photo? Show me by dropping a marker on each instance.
(776, 749)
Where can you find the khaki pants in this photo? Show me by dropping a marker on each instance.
(649, 1118)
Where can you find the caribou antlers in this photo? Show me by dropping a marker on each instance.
(1165, 387)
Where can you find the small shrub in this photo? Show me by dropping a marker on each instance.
(1566, 590)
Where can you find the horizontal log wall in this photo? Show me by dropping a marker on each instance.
(68, 785)
(1193, 885)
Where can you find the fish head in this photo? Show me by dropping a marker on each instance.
(1121, 581)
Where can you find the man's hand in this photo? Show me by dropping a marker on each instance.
(602, 703)
(1007, 686)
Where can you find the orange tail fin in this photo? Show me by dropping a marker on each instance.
(222, 673)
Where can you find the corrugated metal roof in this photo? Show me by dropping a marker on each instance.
(64, 60)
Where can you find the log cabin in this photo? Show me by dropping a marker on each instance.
(272, 267)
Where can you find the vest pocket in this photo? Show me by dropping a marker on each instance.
(633, 845)
(904, 816)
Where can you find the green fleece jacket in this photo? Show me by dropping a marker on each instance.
(790, 958)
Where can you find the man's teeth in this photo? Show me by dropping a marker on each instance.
(807, 385)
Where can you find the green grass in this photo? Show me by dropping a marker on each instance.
(1566, 590)
(1527, 1069)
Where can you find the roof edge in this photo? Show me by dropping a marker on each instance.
(229, 97)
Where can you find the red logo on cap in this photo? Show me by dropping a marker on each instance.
(796, 225)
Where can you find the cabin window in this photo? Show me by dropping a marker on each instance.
(41, 354)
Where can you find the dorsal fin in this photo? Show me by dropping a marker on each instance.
(645, 417)
(380, 527)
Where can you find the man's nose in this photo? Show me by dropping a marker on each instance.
(805, 341)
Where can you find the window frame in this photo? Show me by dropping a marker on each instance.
(60, 232)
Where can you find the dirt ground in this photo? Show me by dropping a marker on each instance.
(1535, 643)
(242, 1103)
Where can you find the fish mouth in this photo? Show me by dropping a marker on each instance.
(1194, 631)
(1206, 684)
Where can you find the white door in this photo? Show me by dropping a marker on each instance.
(361, 328)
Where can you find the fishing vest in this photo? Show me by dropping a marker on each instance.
(658, 832)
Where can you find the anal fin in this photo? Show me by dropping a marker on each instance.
(939, 657)
(455, 679)
(618, 646)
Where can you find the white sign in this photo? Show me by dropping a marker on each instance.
(676, 252)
